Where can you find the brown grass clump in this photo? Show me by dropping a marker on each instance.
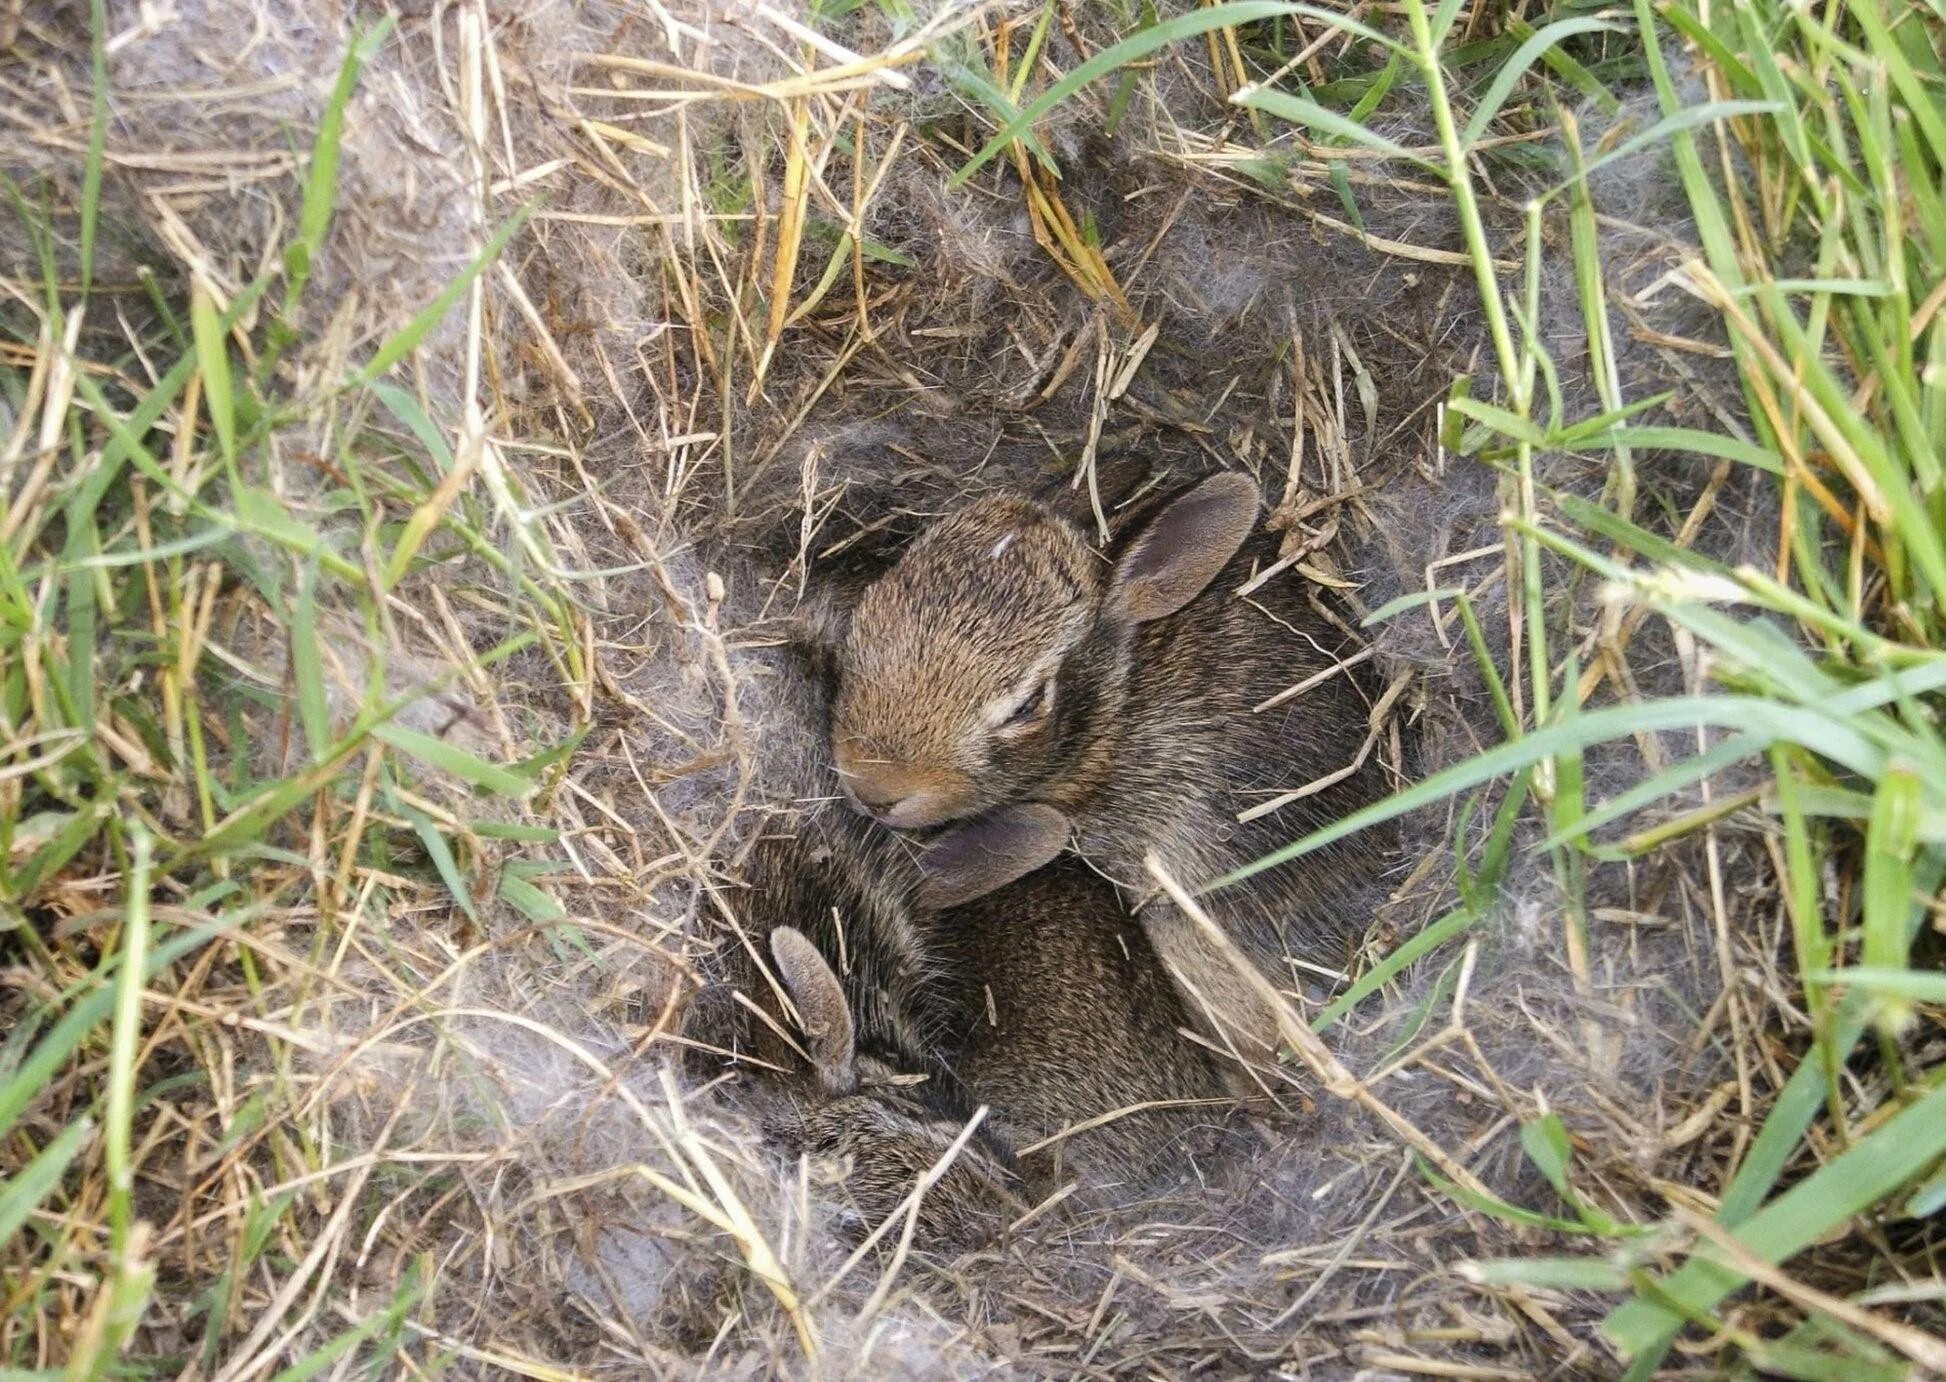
(399, 710)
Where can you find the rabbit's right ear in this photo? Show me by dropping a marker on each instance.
(975, 857)
(1174, 559)
(821, 1006)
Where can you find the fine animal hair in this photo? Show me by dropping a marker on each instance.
(1040, 1000)
(1002, 660)
(1061, 1017)
(829, 958)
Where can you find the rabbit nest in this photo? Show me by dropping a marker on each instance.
(491, 1101)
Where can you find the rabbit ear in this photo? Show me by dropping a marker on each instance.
(1116, 477)
(1171, 561)
(821, 1006)
(814, 634)
(973, 858)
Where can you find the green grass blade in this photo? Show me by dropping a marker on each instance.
(1762, 719)
(1569, 71)
(1455, 923)
(66, 842)
(1686, 440)
(1887, 887)
(1721, 56)
(403, 341)
(1300, 111)
(35, 1181)
(1669, 781)
(969, 76)
(513, 830)
(1025, 67)
(213, 359)
(1140, 45)
(1870, 1170)
(457, 761)
(198, 541)
(83, 607)
(531, 901)
(1929, 208)
(321, 179)
(1801, 875)
(125, 433)
(307, 668)
(1771, 80)
(441, 855)
(1921, 986)
(249, 820)
(1496, 1208)
(1476, 640)
(1442, 21)
(118, 1311)
(385, 1322)
(1712, 227)
(260, 513)
(1508, 424)
(1809, 941)
(1923, 104)
(1547, 1273)
(406, 409)
(1594, 518)
(125, 1037)
(1679, 122)
(1841, 287)
(1516, 67)
(1493, 862)
(1783, 1129)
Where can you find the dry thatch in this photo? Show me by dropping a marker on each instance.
(416, 1081)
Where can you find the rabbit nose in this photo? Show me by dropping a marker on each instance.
(881, 787)
(901, 797)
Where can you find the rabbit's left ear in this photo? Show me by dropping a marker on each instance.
(1173, 560)
(975, 857)
(814, 635)
(821, 1006)
(1116, 477)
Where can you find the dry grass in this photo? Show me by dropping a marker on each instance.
(404, 489)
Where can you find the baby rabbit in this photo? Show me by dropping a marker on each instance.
(1002, 661)
(1041, 1000)
(1061, 1017)
(831, 921)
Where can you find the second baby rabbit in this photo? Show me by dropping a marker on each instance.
(1042, 1000)
(827, 938)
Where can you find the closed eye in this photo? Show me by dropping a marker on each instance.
(1032, 709)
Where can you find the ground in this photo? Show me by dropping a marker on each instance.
(421, 428)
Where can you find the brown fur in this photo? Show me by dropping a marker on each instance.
(852, 891)
(884, 1142)
(1151, 741)
(1061, 1014)
(974, 605)
(1042, 1000)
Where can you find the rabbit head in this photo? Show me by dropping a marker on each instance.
(990, 664)
(885, 1134)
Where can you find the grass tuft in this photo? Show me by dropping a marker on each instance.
(1848, 422)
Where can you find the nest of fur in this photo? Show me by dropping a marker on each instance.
(570, 1206)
